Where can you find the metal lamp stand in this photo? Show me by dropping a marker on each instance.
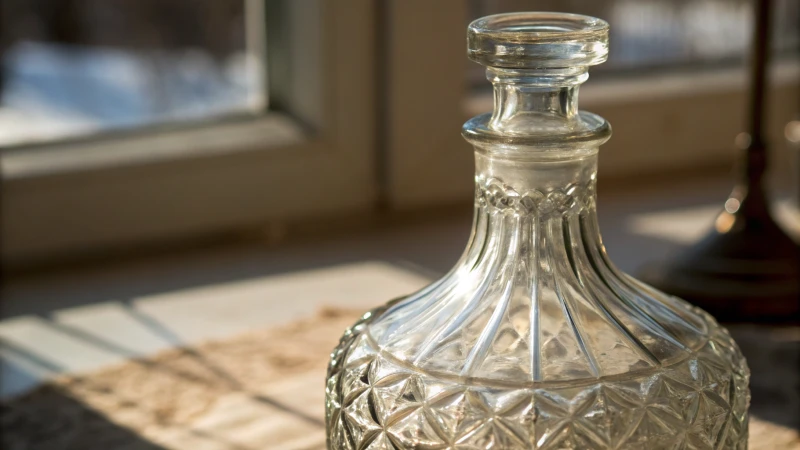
(746, 268)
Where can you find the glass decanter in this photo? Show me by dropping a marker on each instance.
(534, 340)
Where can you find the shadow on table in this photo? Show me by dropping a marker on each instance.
(773, 356)
(51, 417)
(51, 420)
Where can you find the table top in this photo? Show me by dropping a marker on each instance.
(265, 390)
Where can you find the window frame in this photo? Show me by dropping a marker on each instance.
(366, 112)
(311, 154)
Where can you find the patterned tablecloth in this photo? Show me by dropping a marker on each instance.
(264, 390)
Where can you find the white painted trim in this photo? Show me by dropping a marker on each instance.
(273, 131)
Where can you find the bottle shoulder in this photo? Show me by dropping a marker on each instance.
(717, 357)
(540, 341)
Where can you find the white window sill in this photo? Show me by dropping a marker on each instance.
(273, 131)
(673, 121)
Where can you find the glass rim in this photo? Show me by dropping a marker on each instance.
(538, 39)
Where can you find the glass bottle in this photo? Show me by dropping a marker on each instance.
(534, 340)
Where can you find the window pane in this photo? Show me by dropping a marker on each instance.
(653, 34)
(75, 67)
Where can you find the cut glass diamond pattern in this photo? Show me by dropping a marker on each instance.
(375, 402)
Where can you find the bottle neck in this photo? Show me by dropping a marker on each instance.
(541, 207)
(535, 100)
(528, 194)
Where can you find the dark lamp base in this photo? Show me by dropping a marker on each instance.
(747, 270)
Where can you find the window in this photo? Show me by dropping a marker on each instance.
(136, 130)
(667, 34)
(265, 111)
(74, 68)
(673, 64)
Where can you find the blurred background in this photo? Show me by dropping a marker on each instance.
(179, 172)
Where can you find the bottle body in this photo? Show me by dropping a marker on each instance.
(375, 401)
